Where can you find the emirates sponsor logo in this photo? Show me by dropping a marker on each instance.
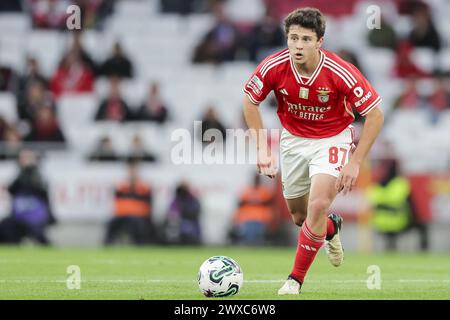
(307, 112)
(292, 107)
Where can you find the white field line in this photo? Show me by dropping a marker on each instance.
(194, 281)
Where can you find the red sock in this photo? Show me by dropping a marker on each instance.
(330, 228)
(308, 246)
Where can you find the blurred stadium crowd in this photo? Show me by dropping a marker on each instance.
(138, 69)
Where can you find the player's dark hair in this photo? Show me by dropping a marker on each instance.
(308, 18)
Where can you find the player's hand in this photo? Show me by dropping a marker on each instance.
(347, 177)
(267, 164)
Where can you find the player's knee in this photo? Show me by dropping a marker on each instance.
(318, 206)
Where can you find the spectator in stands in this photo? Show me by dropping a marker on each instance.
(220, 44)
(182, 7)
(113, 108)
(78, 48)
(11, 142)
(351, 57)
(410, 97)
(8, 79)
(406, 7)
(72, 76)
(31, 211)
(104, 151)
(404, 65)
(11, 6)
(49, 14)
(391, 203)
(94, 12)
(383, 37)
(338, 9)
(439, 100)
(4, 126)
(252, 219)
(118, 64)
(182, 225)
(266, 36)
(211, 121)
(424, 32)
(133, 208)
(32, 74)
(45, 126)
(36, 95)
(139, 152)
(153, 109)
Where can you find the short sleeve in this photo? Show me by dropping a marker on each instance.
(258, 86)
(358, 91)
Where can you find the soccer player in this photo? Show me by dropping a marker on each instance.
(316, 93)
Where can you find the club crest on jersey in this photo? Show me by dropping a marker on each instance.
(324, 95)
(304, 92)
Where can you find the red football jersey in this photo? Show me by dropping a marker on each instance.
(319, 106)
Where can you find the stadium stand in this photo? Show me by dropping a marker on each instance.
(160, 46)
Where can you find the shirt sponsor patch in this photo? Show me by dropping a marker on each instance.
(256, 84)
(363, 99)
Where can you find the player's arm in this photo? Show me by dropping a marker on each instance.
(361, 95)
(266, 163)
(255, 91)
(253, 119)
(372, 126)
(374, 120)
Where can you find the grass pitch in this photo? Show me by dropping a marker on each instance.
(170, 273)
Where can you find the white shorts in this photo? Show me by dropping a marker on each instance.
(301, 158)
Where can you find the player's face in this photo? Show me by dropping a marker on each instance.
(303, 44)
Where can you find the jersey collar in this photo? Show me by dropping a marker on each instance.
(313, 77)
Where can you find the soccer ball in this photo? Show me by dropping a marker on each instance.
(220, 276)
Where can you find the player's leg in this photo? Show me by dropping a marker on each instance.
(321, 196)
(333, 154)
(313, 231)
(296, 183)
(323, 167)
(298, 208)
(296, 155)
(333, 245)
